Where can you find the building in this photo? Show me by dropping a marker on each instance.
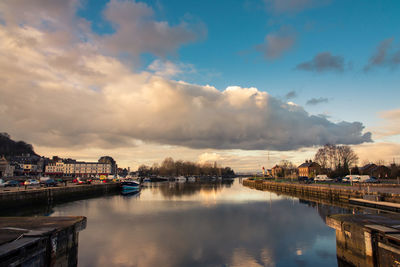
(87, 169)
(109, 160)
(6, 169)
(277, 171)
(309, 169)
(71, 168)
(55, 167)
(27, 164)
(378, 171)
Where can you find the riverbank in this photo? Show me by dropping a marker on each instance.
(48, 195)
(332, 193)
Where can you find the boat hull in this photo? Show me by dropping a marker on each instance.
(130, 187)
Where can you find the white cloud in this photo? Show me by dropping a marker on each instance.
(391, 122)
(137, 31)
(170, 69)
(209, 157)
(105, 104)
(64, 92)
(373, 152)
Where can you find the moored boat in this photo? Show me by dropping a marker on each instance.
(128, 187)
(180, 179)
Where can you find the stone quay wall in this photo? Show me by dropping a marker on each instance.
(49, 195)
(321, 192)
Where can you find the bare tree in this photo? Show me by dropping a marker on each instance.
(321, 158)
(380, 162)
(336, 157)
(347, 157)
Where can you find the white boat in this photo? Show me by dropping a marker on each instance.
(180, 179)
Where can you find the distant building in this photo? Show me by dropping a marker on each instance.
(29, 168)
(69, 167)
(378, 171)
(309, 169)
(277, 171)
(55, 167)
(87, 169)
(27, 164)
(6, 169)
(109, 160)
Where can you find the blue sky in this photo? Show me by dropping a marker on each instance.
(201, 80)
(227, 56)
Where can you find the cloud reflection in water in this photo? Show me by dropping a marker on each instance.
(171, 226)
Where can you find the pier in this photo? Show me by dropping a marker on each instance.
(40, 241)
(385, 198)
(366, 240)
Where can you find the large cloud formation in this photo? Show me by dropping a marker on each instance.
(79, 95)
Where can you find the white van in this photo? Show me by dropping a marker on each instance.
(357, 178)
(322, 178)
(351, 178)
(364, 178)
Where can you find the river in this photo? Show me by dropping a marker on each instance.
(203, 224)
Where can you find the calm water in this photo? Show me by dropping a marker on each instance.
(203, 225)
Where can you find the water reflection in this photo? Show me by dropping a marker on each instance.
(201, 225)
(186, 189)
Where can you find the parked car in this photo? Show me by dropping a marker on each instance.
(31, 182)
(82, 181)
(305, 179)
(43, 180)
(50, 182)
(346, 179)
(11, 183)
(2, 182)
(339, 180)
(371, 180)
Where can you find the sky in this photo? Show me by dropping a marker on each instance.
(245, 83)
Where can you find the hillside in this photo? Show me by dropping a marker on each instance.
(9, 147)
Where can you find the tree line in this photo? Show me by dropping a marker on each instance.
(169, 167)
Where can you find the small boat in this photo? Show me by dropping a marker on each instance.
(180, 179)
(128, 187)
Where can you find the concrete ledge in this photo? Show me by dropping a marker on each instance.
(376, 204)
(366, 239)
(40, 241)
